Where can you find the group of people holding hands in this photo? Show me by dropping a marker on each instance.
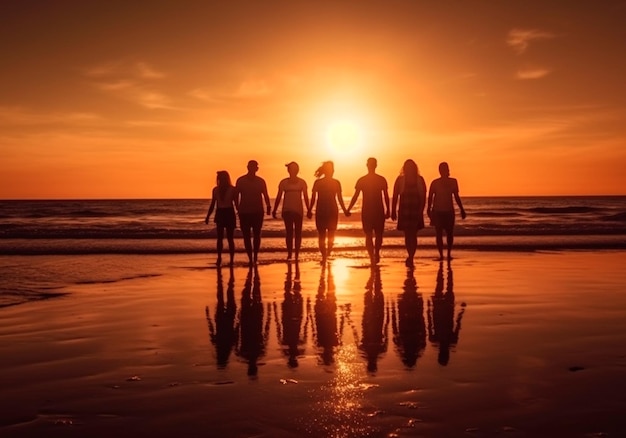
(408, 202)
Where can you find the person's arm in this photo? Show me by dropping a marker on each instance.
(423, 189)
(394, 200)
(309, 212)
(211, 207)
(266, 196)
(305, 192)
(457, 198)
(386, 198)
(279, 196)
(346, 211)
(431, 195)
(357, 191)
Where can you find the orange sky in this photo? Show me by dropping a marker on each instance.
(119, 99)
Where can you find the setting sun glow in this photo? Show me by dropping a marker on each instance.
(343, 138)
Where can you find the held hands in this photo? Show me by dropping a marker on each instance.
(387, 215)
(394, 216)
(274, 214)
(347, 213)
(463, 214)
(309, 214)
(269, 210)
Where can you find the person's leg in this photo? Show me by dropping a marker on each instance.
(331, 242)
(220, 243)
(378, 242)
(410, 240)
(244, 222)
(256, 235)
(369, 244)
(450, 240)
(289, 224)
(321, 234)
(230, 236)
(439, 239)
(298, 233)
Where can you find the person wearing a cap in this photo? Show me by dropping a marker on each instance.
(294, 190)
(251, 192)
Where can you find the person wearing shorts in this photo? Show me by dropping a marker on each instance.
(442, 193)
(294, 190)
(327, 193)
(251, 191)
(224, 199)
(373, 211)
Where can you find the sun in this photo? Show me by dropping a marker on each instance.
(343, 137)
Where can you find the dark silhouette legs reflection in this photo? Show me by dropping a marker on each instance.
(290, 323)
(222, 330)
(374, 339)
(409, 327)
(253, 331)
(327, 337)
(443, 329)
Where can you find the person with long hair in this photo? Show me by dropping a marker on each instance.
(407, 206)
(294, 190)
(327, 192)
(224, 198)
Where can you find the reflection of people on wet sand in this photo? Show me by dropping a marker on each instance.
(374, 210)
(253, 332)
(409, 327)
(224, 199)
(443, 329)
(251, 192)
(410, 190)
(325, 195)
(441, 196)
(223, 332)
(325, 310)
(289, 325)
(374, 339)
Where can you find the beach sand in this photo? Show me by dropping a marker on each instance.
(513, 344)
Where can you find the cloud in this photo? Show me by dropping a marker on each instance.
(532, 73)
(248, 89)
(131, 81)
(520, 39)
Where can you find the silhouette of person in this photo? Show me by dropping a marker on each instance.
(441, 207)
(224, 198)
(442, 327)
(223, 332)
(325, 309)
(253, 333)
(294, 189)
(292, 315)
(409, 327)
(374, 340)
(410, 190)
(327, 192)
(373, 212)
(251, 190)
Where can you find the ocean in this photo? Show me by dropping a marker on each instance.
(176, 226)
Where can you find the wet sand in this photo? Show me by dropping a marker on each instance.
(514, 344)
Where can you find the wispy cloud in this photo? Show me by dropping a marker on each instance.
(520, 39)
(14, 116)
(247, 89)
(131, 81)
(532, 73)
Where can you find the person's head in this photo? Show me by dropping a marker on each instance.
(223, 178)
(253, 166)
(293, 168)
(371, 164)
(444, 169)
(326, 169)
(409, 168)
